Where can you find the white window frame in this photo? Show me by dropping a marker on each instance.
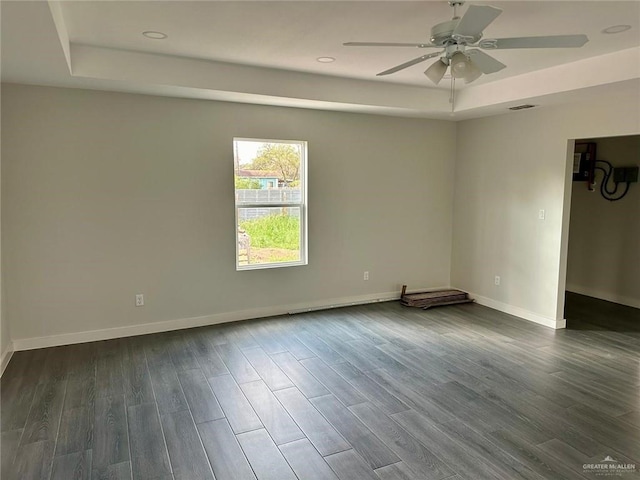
(302, 205)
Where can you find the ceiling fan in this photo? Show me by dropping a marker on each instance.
(461, 37)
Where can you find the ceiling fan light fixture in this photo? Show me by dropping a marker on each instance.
(460, 65)
(436, 71)
(473, 73)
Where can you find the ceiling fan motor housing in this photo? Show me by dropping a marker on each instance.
(442, 34)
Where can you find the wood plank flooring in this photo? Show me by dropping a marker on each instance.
(377, 392)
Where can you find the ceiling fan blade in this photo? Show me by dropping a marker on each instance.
(409, 63)
(553, 41)
(475, 20)
(388, 44)
(486, 63)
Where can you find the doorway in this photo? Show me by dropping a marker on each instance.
(603, 254)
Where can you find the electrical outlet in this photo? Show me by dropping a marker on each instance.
(541, 214)
(366, 275)
(139, 300)
(497, 280)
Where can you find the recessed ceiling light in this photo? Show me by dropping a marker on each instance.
(616, 29)
(325, 59)
(155, 35)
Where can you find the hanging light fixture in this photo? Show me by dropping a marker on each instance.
(436, 71)
(460, 65)
(473, 73)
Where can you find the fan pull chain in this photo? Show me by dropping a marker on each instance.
(452, 93)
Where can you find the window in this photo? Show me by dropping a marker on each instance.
(271, 203)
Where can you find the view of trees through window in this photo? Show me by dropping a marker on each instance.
(270, 209)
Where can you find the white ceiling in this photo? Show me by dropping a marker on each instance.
(265, 52)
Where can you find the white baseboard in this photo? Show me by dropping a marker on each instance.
(178, 324)
(608, 296)
(5, 357)
(519, 312)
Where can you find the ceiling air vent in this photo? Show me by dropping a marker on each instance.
(521, 107)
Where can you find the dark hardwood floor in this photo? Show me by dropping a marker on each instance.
(378, 392)
(588, 313)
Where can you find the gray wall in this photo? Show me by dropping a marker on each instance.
(604, 236)
(508, 168)
(105, 195)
